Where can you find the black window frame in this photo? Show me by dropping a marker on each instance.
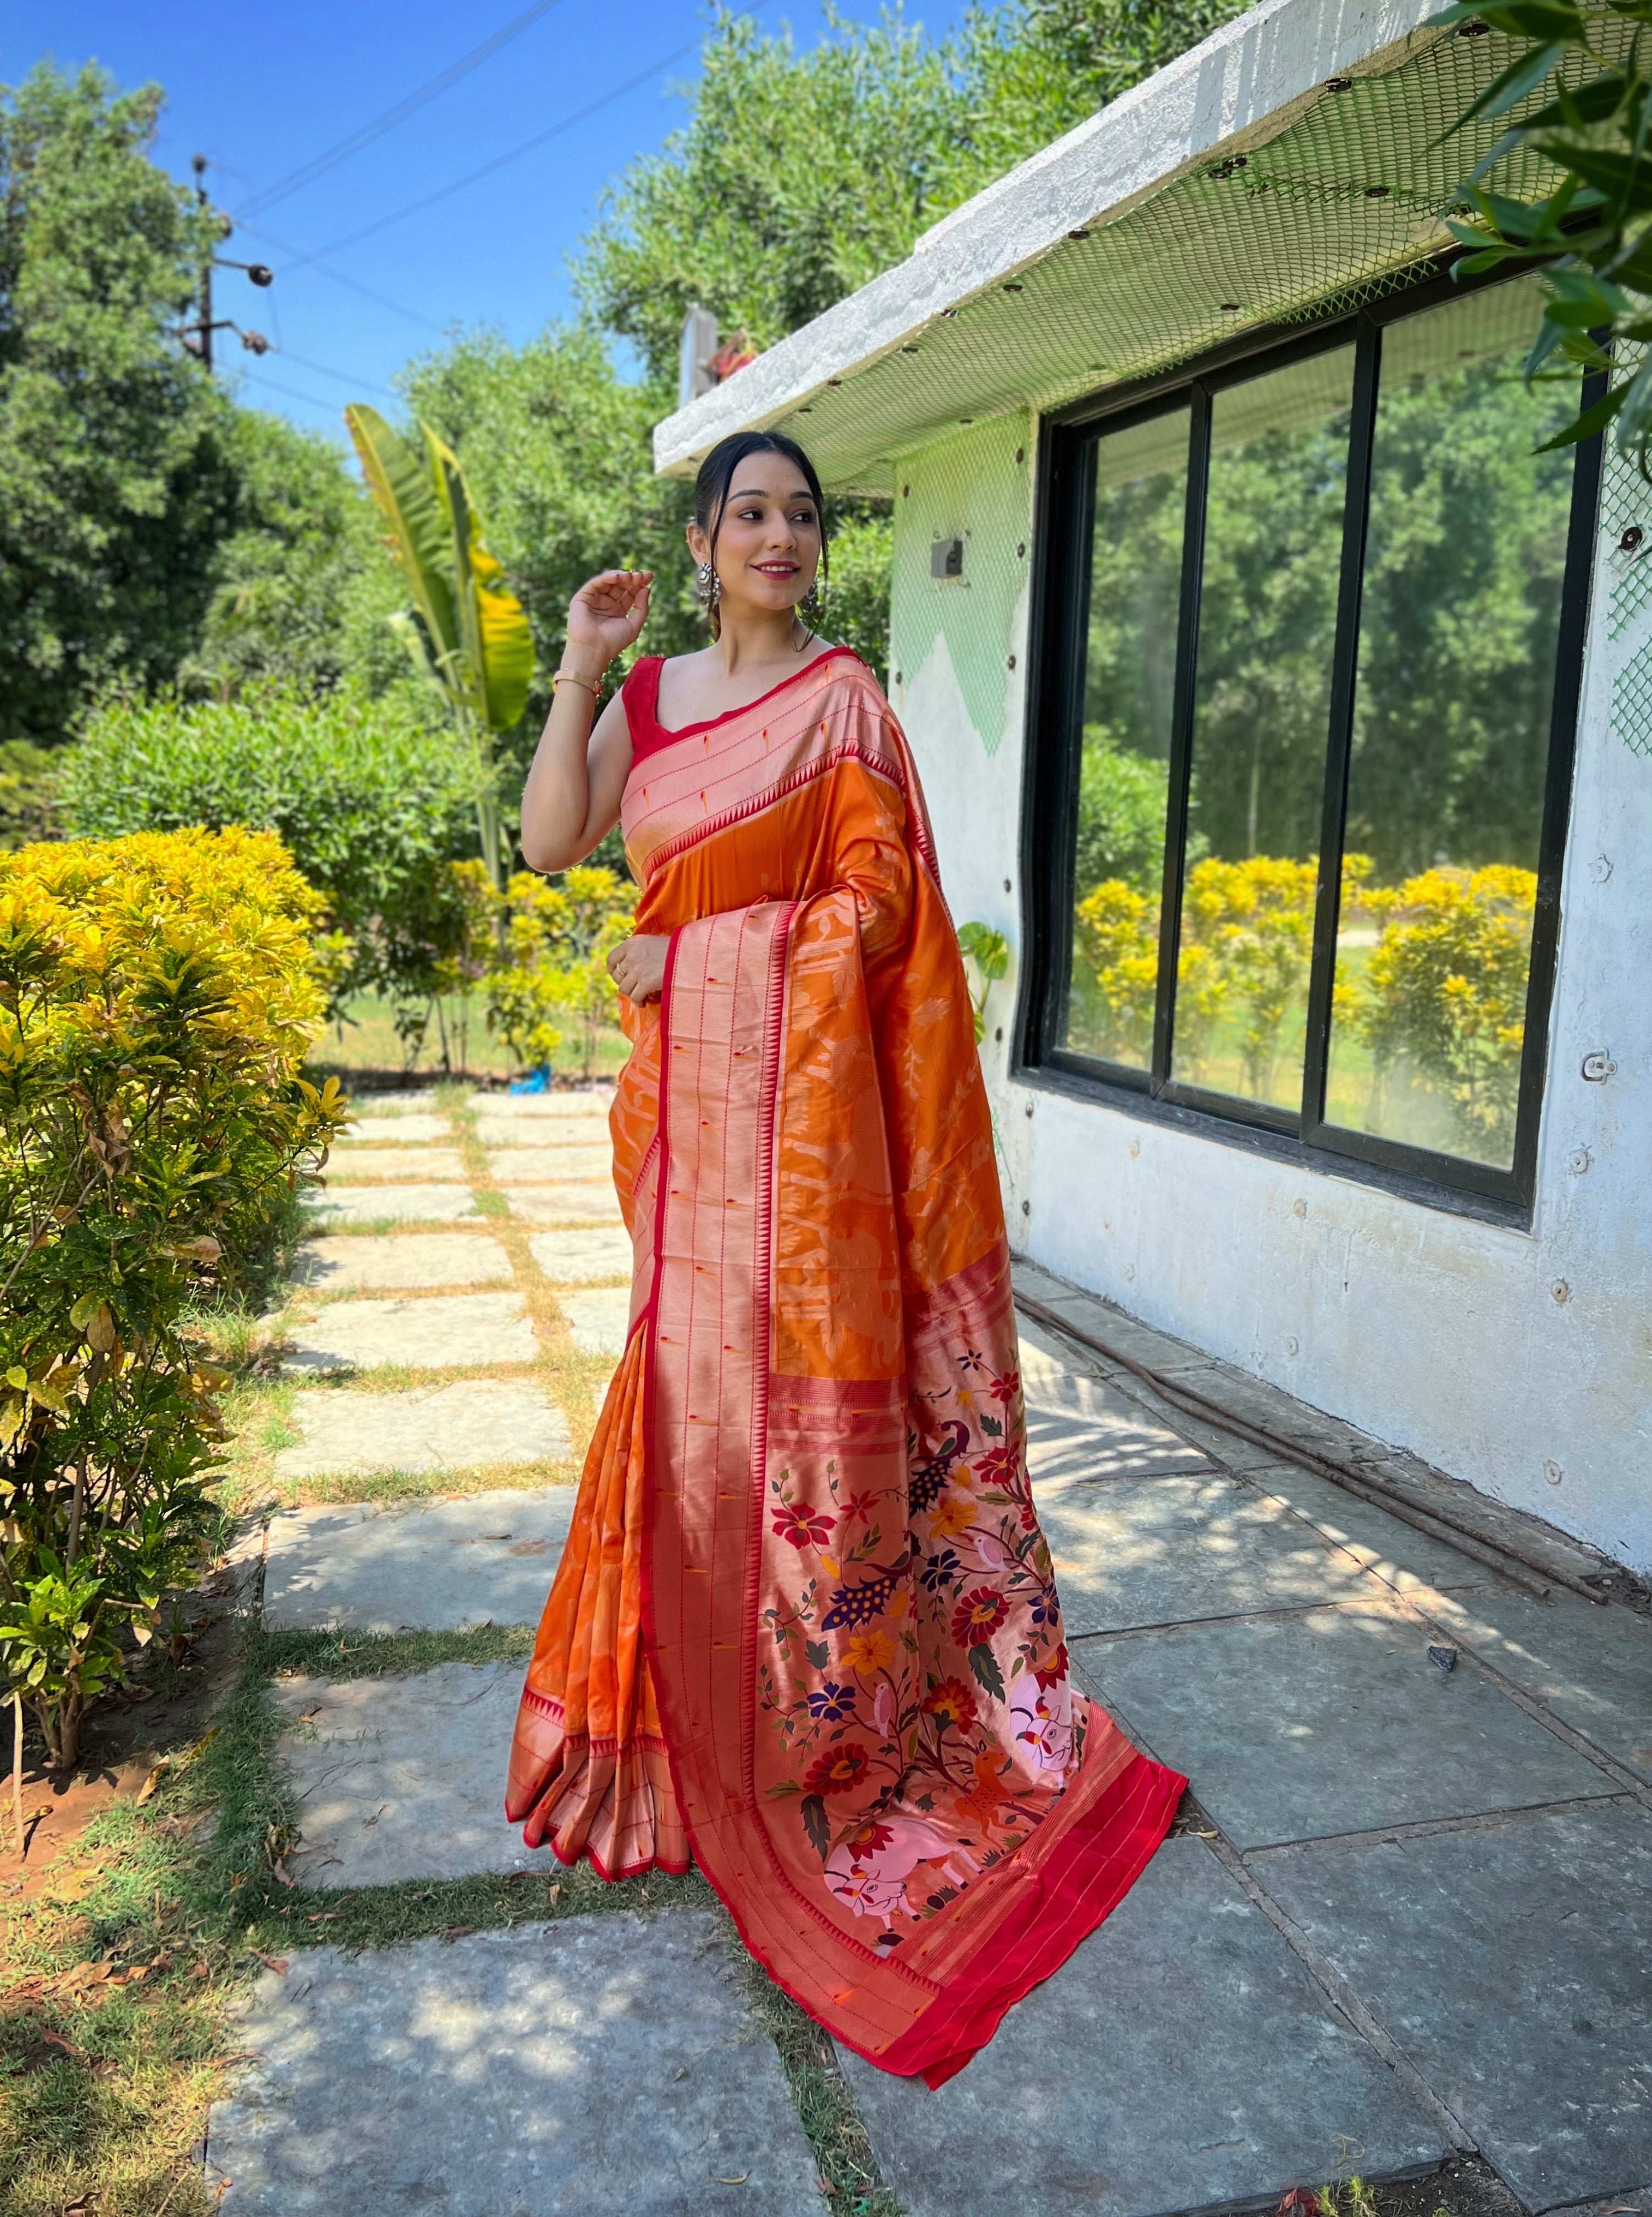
(1063, 524)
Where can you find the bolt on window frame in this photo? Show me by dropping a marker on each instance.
(1056, 693)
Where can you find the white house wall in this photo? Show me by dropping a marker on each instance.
(1521, 1362)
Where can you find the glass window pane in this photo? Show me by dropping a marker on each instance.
(1141, 492)
(1455, 691)
(1266, 632)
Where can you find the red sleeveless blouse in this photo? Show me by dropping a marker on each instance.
(641, 694)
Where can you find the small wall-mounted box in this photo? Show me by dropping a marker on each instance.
(947, 558)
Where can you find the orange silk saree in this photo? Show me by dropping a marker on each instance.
(805, 1625)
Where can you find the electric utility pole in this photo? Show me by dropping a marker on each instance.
(198, 337)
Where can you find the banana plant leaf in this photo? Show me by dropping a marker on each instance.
(472, 625)
(498, 646)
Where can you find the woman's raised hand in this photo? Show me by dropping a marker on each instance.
(606, 615)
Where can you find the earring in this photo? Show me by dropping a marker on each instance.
(708, 586)
(813, 604)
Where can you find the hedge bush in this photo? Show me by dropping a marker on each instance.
(157, 995)
(372, 796)
(542, 953)
(1441, 1002)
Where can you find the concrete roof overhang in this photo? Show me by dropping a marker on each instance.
(1295, 162)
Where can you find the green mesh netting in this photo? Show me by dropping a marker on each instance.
(1626, 575)
(975, 487)
(1343, 204)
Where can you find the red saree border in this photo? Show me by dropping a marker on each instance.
(663, 735)
(597, 1743)
(588, 1854)
(1070, 1897)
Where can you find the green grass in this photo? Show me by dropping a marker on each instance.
(826, 2108)
(337, 1654)
(365, 1038)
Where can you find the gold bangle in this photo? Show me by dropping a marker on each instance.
(567, 677)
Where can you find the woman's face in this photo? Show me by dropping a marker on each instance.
(768, 547)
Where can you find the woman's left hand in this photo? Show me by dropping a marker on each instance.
(637, 966)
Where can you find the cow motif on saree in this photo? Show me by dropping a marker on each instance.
(806, 1625)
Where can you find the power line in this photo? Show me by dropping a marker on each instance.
(330, 157)
(344, 376)
(515, 153)
(291, 393)
(351, 284)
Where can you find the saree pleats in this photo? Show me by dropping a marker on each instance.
(805, 1529)
(588, 1768)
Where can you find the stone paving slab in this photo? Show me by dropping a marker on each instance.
(1181, 2059)
(404, 1130)
(1078, 1427)
(1173, 1549)
(599, 1320)
(1512, 1965)
(445, 1332)
(1273, 1404)
(1409, 1560)
(541, 1108)
(551, 1165)
(602, 2066)
(392, 1204)
(557, 1135)
(411, 1260)
(1125, 1332)
(1591, 1665)
(583, 1128)
(373, 1761)
(429, 1165)
(572, 1258)
(465, 1426)
(1335, 1721)
(436, 1566)
(395, 1102)
(594, 1203)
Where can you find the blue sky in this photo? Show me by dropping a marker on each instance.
(263, 90)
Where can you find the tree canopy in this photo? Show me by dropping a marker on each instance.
(154, 533)
(109, 472)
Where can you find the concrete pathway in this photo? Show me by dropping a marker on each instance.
(1407, 1913)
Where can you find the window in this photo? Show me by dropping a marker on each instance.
(1312, 633)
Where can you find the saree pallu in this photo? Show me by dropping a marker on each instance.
(806, 1625)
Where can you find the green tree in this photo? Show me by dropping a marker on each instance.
(114, 489)
(797, 177)
(1031, 70)
(559, 449)
(300, 583)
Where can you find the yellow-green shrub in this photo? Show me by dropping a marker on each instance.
(1444, 992)
(158, 994)
(1115, 969)
(548, 963)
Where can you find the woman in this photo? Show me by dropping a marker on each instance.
(805, 1625)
